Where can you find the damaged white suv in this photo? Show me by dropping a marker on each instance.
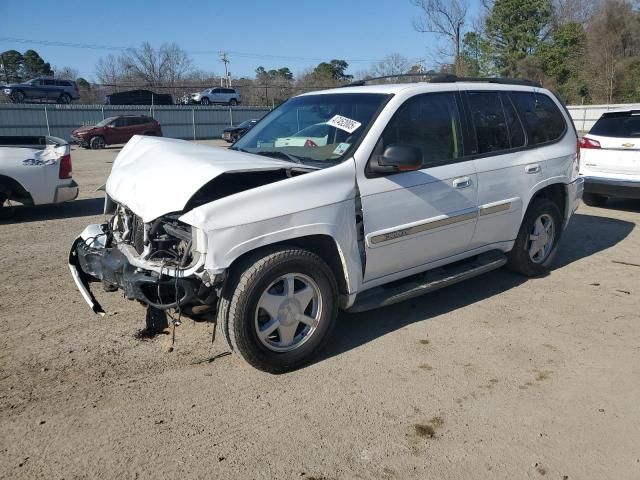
(413, 187)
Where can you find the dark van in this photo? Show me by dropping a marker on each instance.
(138, 97)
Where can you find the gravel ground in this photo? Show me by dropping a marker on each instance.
(498, 377)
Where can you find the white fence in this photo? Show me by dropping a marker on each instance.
(584, 116)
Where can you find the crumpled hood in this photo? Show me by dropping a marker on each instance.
(155, 176)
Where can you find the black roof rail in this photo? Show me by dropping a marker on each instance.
(499, 80)
(448, 78)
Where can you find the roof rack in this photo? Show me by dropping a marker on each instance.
(447, 78)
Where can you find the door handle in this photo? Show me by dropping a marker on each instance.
(463, 182)
(533, 168)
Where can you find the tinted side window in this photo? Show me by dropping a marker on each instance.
(619, 125)
(516, 131)
(49, 82)
(429, 122)
(120, 122)
(541, 117)
(489, 121)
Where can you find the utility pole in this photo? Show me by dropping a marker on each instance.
(225, 59)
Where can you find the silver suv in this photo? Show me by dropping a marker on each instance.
(61, 91)
(222, 95)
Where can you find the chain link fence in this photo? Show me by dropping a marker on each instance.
(191, 122)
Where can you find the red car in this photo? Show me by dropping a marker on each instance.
(112, 130)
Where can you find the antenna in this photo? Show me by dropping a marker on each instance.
(224, 58)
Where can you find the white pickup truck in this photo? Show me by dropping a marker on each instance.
(35, 170)
(417, 186)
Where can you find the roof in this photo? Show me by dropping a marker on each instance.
(394, 88)
(627, 109)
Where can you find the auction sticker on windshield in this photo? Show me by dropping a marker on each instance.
(344, 123)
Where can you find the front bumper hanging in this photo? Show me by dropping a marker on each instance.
(89, 263)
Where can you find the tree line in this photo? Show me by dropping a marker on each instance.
(586, 50)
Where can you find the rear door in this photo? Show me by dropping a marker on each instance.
(51, 90)
(617, 151)
(511, 130)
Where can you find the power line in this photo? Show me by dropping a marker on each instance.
(94, 46)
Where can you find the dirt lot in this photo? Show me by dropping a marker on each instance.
(497, 377)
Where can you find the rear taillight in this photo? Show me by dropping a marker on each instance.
(310, 143)
(65, 167)
(588, 143)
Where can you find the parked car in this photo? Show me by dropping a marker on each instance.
(61, 91)
(225, 96)
(312, 136)
(232, 134)
(138, 97)
(35, 171)
(610, 157)
(419, 186)
(112, 130)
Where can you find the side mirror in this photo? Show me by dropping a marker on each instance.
(397, 158)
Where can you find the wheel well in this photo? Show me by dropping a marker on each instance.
(556, 193)
(322, 245)
(14, 191)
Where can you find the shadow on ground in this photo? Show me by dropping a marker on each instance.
(86, 207)
(586, 235)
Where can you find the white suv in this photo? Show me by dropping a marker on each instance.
(226, 96)
(610, 160)
(418, 186)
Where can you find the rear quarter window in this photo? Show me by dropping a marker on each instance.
(621, 125)
(542, 118)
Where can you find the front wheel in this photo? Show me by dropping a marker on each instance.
(96, 143)
(594, 200)
(204, 101)
(278, 308)
(537, 242)
(65, 99)
(18, 97)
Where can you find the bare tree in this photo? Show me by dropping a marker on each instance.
(108, 70)
(394, 64)
(155, 67)
(446, 19)
(66, 73)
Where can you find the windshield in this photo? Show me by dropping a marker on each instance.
(315, 129)
(105, 122)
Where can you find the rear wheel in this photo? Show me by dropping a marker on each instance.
(96, 143)
(537, 242)
(278, 308)
(233, 102)
(594, 200)
(6, 210)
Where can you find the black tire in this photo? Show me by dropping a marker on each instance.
(519, 258)
(6, 211)
(65, 98)
(238, 306)
(19, 96)
(205, 101)
(96, 143)
(233, 102)
(594, 200)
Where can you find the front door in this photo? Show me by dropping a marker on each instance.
(414, 218)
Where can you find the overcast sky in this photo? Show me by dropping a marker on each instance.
(254, 32)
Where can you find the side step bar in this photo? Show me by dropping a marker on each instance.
(429, 281)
